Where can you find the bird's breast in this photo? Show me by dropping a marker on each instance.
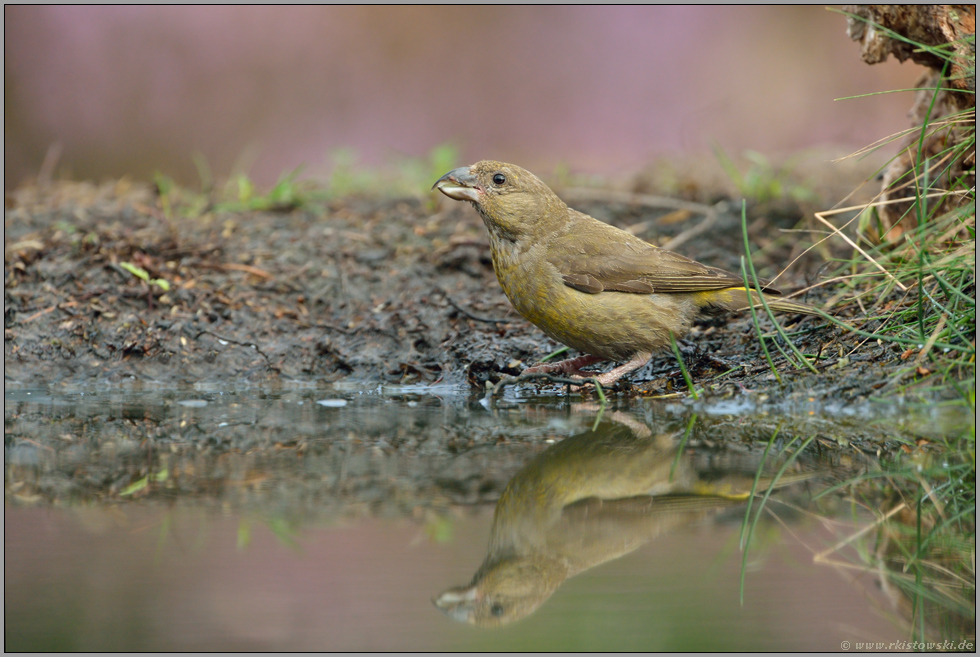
(531, 283)
(613, 325)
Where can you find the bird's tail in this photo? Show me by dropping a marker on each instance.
(738, 298)
(739, 486)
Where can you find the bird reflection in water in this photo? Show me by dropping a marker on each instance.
(586, 500)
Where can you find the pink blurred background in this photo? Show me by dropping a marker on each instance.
(140, 578)
(131, 90)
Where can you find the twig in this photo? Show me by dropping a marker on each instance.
(39, 314)
(822, 557)
(238, 342)
(331, 327)
(647, 200)
(466, 313)
(693, 231)
(249, 269)
(36, 444)
(650, 201)
(354, 331)
(232, 266)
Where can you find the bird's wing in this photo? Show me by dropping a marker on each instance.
(594, 257)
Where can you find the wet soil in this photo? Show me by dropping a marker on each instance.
(364, 289)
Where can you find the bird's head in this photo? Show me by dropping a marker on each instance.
(510, 199)
(503, 592)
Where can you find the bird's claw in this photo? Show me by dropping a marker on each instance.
(572, 368)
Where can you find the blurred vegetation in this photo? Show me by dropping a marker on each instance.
(402, 177)
(762, 181)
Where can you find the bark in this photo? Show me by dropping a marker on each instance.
(947, 90)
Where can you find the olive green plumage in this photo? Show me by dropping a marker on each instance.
(586, 500)
(587, 284)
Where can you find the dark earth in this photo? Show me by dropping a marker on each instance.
(364, 289)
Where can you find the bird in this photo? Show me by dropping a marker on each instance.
(586, 500)
(587, 284)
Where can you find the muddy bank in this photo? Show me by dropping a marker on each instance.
(364, 289)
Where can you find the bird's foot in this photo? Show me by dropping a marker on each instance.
(606, 379)
(571, 368)
(720, 363)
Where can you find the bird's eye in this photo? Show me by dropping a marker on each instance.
(499, 179)
(497, 609)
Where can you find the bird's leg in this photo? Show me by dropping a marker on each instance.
(635, 363)
(571, 367)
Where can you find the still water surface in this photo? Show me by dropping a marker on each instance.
(340, 520)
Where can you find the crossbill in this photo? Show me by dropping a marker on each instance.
(586, 500)
(589, 285)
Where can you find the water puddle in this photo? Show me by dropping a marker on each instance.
(395, 519)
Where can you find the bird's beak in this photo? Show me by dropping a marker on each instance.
(459, 184)
(458, 604)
